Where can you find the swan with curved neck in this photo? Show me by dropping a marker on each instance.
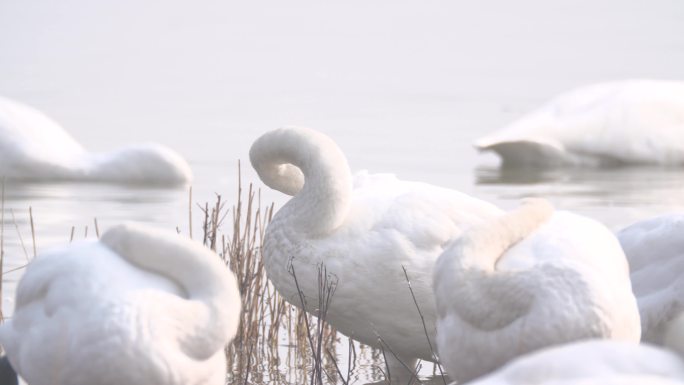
(617, 123)
(140, 306)
(364, 229)
(35, 148)
(532, 278)
(655, 250)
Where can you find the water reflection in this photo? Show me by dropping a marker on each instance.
(41, 215)
(617, 196)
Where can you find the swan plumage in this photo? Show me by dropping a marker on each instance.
(655, 250)
(593, 362)
(363, 229)
(531, 278)
(140, 306)
(622, 122)
(35, 148)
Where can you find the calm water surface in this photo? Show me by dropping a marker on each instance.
(402, 87)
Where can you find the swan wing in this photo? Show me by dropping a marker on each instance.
(655, 250)
(392, 225)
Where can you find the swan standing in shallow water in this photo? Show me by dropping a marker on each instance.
(655, 250)
(363, 229)
(594, 362)
(139, 307)
(628, 122)
(532, 278)
(35, 148)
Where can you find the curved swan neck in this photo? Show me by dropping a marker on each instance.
(482, 246)
(309, 165)
(488, 299)
(211, 288)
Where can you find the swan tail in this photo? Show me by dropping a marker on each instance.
(211, 288)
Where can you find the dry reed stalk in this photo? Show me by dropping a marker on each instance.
(33, 231)
(422, 320)
(266, 317)
(97, 228)
(241, 251)
(319, 335)
(21, 239)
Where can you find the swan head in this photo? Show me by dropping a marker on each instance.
(149, 164)
(270, 155)
(286, 178)
(309, 165)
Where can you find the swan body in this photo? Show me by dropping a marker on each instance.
(362, 229)
(627, 122)
(593, 362)
(140, 306)
(531, 278)
(655, 249)
(35, 148)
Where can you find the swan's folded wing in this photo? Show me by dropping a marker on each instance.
(655, 250)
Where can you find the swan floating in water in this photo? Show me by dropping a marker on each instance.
(655, 250)
(35, 148)
(363, 229)
(532, 278)
(627, 122)
(593, 362)
(140, 306)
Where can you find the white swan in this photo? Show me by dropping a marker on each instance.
(363, 229)
(594, 362)
(628, 122)
(141, 306)
(532, 278)
(655, 249)
(35, 148)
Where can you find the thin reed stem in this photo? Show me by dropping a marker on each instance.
(97, 228)
(33, 230)
(21, 239)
